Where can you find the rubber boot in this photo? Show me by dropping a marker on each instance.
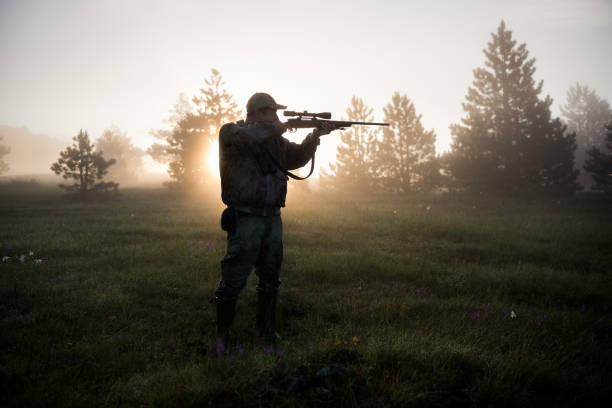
(266, 317)
(226, 309)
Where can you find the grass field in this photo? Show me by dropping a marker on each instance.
(417, 301)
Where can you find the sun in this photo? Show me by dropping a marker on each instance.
(212, 158)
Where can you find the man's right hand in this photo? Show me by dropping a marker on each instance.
(279, 127)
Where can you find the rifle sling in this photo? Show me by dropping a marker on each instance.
(287, 172)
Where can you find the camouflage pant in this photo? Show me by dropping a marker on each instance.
(256, 241)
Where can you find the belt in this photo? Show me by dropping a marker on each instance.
(261, 211)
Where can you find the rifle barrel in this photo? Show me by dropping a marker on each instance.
(367, 123)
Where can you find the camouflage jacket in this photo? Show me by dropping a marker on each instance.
(249, 177)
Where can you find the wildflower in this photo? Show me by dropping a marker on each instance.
(476, 315)
(22, 258)
(280, 350)
(240, 351)
(512, 314)
(31, 253)
(338, 342)
(5, 258)
(418, 291)
(38, 260)
(269, 350)
(355, 339)
(220, 348)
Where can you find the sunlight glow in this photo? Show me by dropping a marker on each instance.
(212, 159)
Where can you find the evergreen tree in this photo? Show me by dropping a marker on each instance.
(404, 159)
(117, 145)
(353, 168)
(586, 114)
(84, 165)
(195, 127)
(4, 150)
(599, 163)
(508, 141)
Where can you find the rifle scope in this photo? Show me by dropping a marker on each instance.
(322, 115)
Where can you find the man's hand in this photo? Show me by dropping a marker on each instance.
(325, 129)
(279, 127)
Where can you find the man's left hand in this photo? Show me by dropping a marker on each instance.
(325, 129)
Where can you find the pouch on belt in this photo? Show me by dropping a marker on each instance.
(228, 219)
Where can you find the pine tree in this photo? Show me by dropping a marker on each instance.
(586, 114)
(195, 127)
(405, 157)
(599, 163)
(84, 165)
(353, 168)
(508, 141)
(215, 104)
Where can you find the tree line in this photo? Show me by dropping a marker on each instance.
(507, 140)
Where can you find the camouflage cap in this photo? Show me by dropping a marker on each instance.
(261, 100)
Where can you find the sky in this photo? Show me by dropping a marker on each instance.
(67, 65)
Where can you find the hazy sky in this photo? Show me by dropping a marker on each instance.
(67, 65)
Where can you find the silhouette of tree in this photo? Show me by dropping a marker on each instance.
(4, 150)
(353, 168)
(599, 163)
(404, 159)
(586, 114)
(508, 141)
(81, 163)
(117, 145)
(195, 127)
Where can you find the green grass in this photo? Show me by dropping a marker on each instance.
(119, 312)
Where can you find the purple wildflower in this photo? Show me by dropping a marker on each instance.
(418, 291)
(240, 351)
(476, 315)
(220, 348)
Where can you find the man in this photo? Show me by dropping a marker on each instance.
(253, 161)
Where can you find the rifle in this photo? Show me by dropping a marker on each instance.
(312, 121)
